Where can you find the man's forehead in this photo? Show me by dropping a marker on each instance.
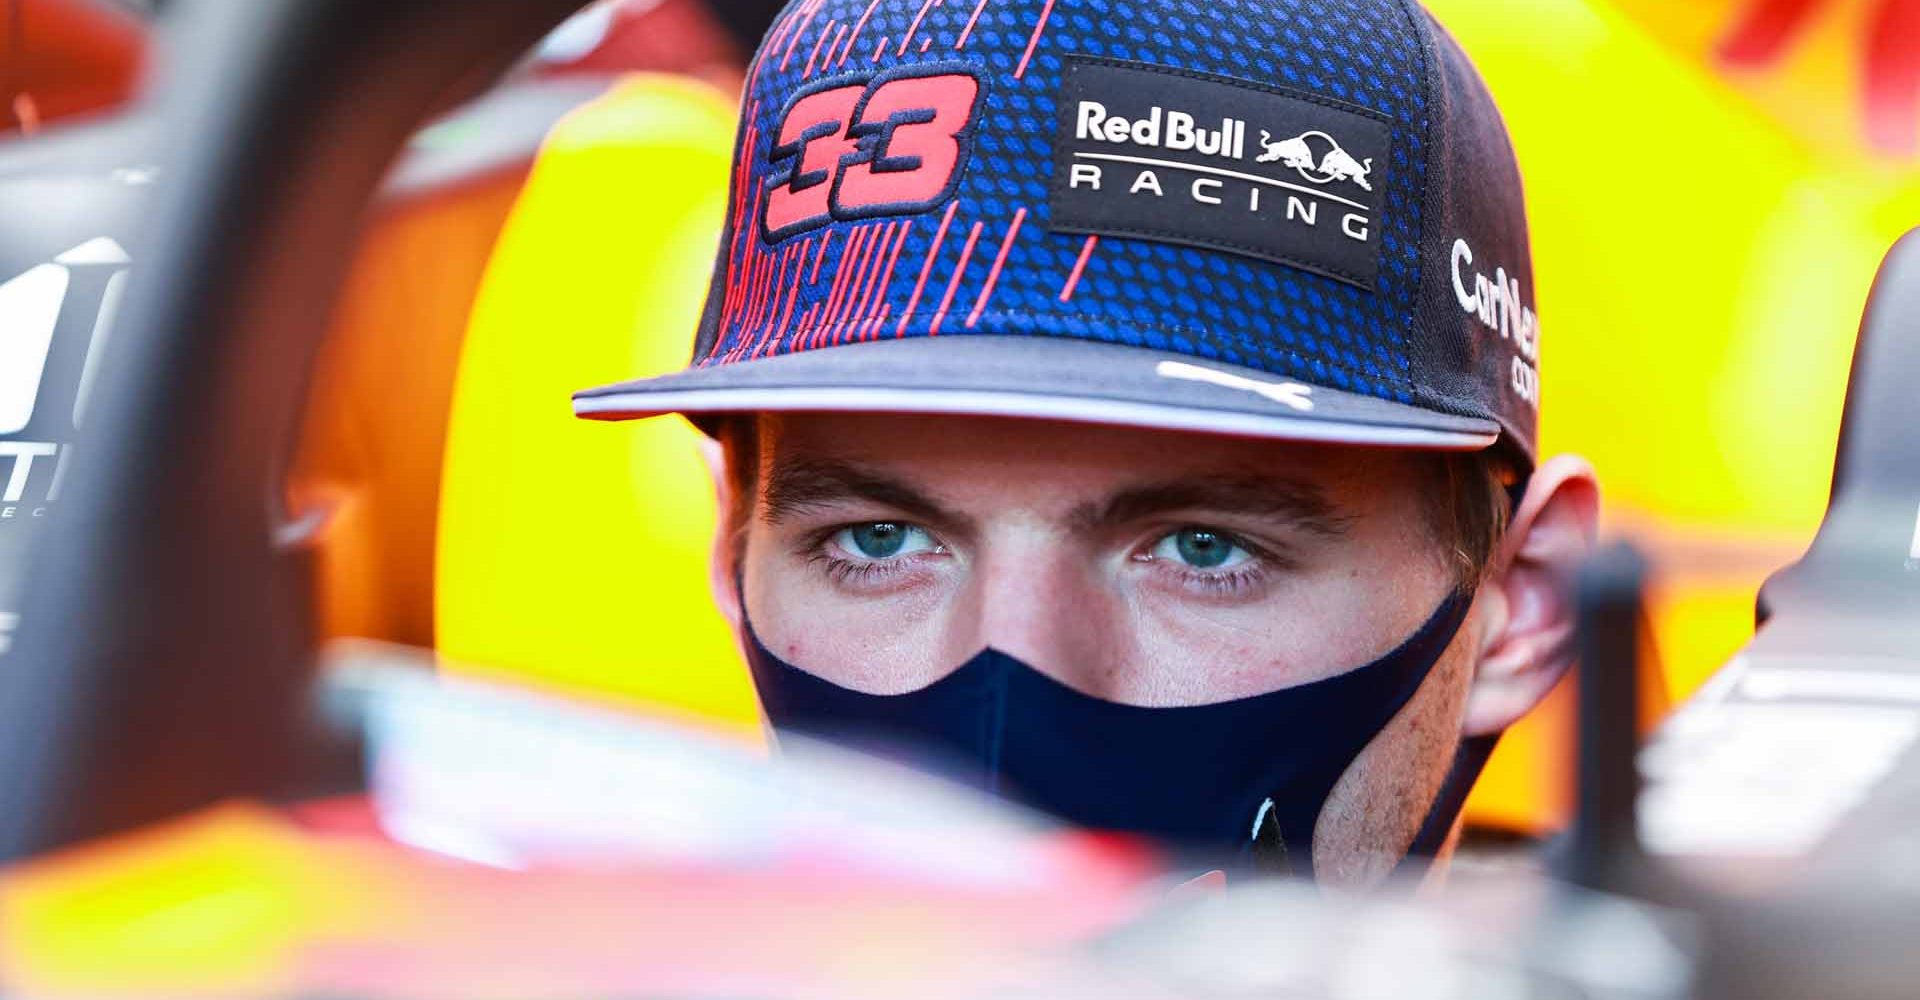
(959, 439)
(981, 459)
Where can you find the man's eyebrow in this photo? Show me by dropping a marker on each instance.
(1303, 505)
(797, 485)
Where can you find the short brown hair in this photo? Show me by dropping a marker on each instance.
(1468, 508)
(1466, 500)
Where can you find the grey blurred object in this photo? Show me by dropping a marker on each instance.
(1786, 793)
(1797, 760)
(71, 201)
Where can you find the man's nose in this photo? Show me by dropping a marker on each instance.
(1050, 609)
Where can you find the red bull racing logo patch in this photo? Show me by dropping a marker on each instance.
(1162, 154)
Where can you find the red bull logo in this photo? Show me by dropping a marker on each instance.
(1336, 164)
(1177, 131)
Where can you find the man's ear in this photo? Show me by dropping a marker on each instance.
(1526, 643)
(726, 534)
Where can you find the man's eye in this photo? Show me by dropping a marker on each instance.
(880, 540)
(1201, 548)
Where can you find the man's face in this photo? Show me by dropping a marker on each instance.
(1144, 567)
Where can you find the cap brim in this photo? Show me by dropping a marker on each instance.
(1050, 378)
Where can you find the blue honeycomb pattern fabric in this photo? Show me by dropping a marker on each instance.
(1212, 305)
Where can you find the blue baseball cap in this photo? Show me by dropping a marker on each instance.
(1295, 219)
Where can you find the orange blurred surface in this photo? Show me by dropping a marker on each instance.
(215, 905)
(243, 901)
(366, 474)
(368, 464)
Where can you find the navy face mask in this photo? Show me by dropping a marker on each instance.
(1239, 780)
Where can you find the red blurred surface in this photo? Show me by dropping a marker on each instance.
(62, 58)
